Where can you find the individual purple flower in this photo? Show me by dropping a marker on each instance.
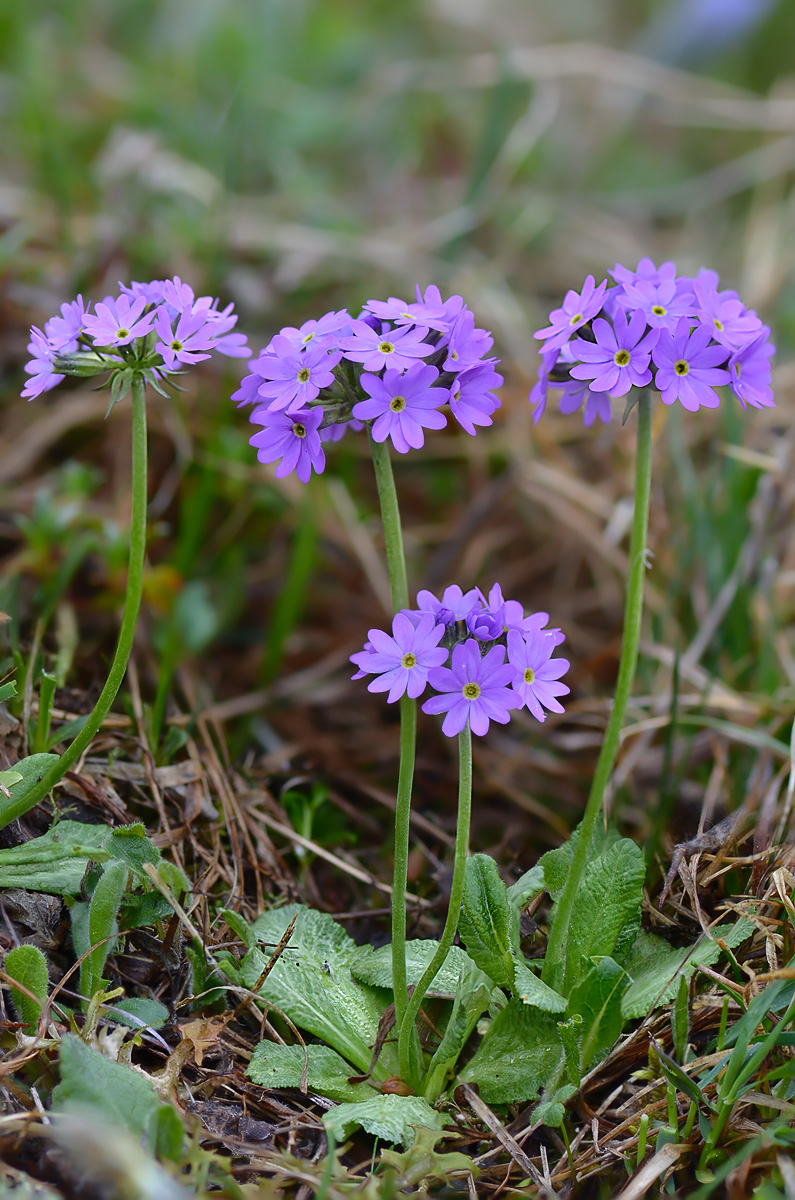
(219, 323)
(646, 273)
(248, 392)
(536, 672)
(431, 299)
(474, 689)
(467, 345)
(688, 368)
(323, 332)
(62, 332)
(749, 372)
(453, 605)
(178, 295)
(396, 349)
(152, 292)
(401, 313)
(619, 359)
(118, 322)
(597, 404)
(401, 406)
(41, 366)
(185, 343)
(291, 437)
(577, 310)
(295, 377)
(662, 304)
(402, 662)
(471, 401)
(725, 315)
(540, 390)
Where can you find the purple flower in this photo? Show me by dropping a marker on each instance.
(454, 604)
(118, 322)
(295, 376)
(291, 437)
(393, 348)
(536, 672)
(62, 332)
(577, 310)
(471, 401)
(662, 303)
(432, 300)
(749, 371)
(619, 360)
(184, 344)
(597, 404)
(402, 405)
(646, 273)
(400, 313)
(474, 689)
(724, 314)
(323, 332)
(40, 367)
(538, 394)
(402, 662)
(178, 295)
(688, 367)
(467, 345)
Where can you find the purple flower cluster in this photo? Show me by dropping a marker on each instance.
(481, 654)
(393, 367)
(680, 334)
(154, 327)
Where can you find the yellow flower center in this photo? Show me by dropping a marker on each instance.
(575, 320)
(408, 660)
(718, 324)
(386, 347)
(122, 333)
(621, 358)
(175, 345)
(308, 338)
(304, 375)
(681, 367)
(299, 430)
(471, 691)
(529, 675)
(397, 403)
(658, 310)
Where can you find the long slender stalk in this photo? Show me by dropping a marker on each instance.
(398, 580)
(132, 603)
(406, 1029)
(555, 965)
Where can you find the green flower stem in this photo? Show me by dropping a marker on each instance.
(554, 972)
(132, 603)
(398, 579)
(406, 1029)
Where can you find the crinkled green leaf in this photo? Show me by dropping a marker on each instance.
(486, 924)
(118, 1093)
(520, 1053)
(608, 901)
(312, 984)
(422, 1162)
(596, 997)
(274, 1066)
(531, 989)
(527, 886)
(391, 1118)
(556, 863)
(102, 924)
(655, 967)
(28, 966)
(374, 967)
(57, 861)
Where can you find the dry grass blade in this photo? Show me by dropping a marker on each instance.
(651, 1171)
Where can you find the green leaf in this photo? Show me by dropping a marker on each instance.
(57, 861)
(102, 924)
(144, 1011)
(680, 1019)
(556, 863)
(682, 1081)
(655, 967)
(422, 1162)
(392, 1118)
(530, 989)
(472, 998)
(274, 1066)
(486, 923)
(570, 1033)
(32, 770)
(7, 690)
(28, 966)
(118, 1093)
(312, 984)
(520, 1053)
(609, 901)
(551, 1109)
(596, 997)
(374, 967)
(526, 887)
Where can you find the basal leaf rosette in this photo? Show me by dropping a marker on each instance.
(482, 656)
(679, 334)
(392, 369)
